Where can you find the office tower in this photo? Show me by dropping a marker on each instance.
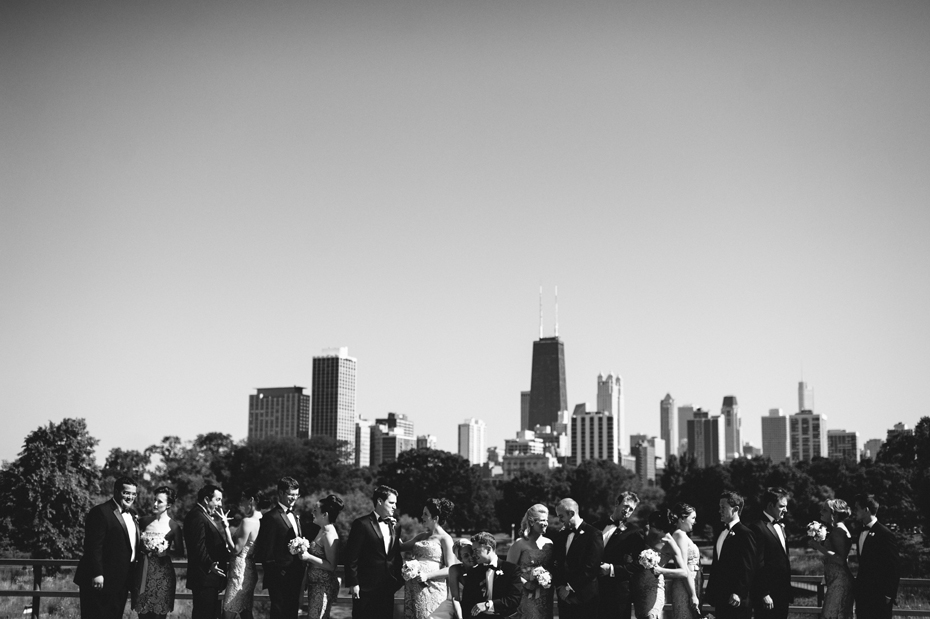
(525, 410)
(775, 436)
(399, 424)
(388, 442)
(659, 445)
(751, 451)
(636, 439)
(280, 411)
(471, 441)
(871, 447)
(843, 444)
(732, 423)
(805, 397)
(362, 442)
(610, 400)
(493, 456)
(808, 436)
(547, 382)
(706, 438)
(332, 412)
(427, 441)
(899, 428)
(668, 425)
(557, 437)
(685, 414)
(593, 435)
(645, 455)
(525, 443)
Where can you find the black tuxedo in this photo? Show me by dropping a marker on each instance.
(579, 568)
(107, 553)
(374, 570)
(878, 573)
(772, 575)
(284, 572)
(732, 573)
(622, 552)
(206, 550)
(506, 594)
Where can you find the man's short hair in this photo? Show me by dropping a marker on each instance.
(734, 500)
(207, 491)
(628, 496)
(774, 495)
(484, 539)
(867, 501)
(122, 481)
(382, 492)
(569, 505)
(286, 484)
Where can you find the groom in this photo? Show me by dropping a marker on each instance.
(876, 587)
(577, 551)
(207, 552)
(734, 560)
(284, 571)
(622, 544)
(771, 583)
(492, 587)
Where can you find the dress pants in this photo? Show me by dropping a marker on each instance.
(96, 604)
(588, 610)
(378, 604)
(870, 608)
(206, 603)
(284, 593)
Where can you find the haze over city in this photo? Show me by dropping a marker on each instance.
(197, 198)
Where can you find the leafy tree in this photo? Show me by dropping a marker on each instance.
(46, 492)
(129, 462)
(525, 490)
(595, 484)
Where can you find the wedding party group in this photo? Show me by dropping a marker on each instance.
(608, 570)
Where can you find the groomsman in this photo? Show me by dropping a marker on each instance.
(734, 559)
(876, 587)
(622, 544)
(373, 559)
(207, 553)
(111, 547)
(284, 572)
(771, 583)
(492, 587)
(576, 563)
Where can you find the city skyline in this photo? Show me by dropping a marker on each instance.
(196, 198)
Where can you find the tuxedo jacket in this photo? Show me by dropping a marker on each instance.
(732, 571)
(507, 588)
(622, 552)
(581, 566)
(367, 563)
(206, 546)
(772, 575)
(878, 565)
(271, 545)
(107, 549)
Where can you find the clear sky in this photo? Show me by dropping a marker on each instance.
(198, 197)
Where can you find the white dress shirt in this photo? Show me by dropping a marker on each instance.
(289, 514)
(778, 531)
(130, 528)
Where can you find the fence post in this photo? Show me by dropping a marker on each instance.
(36, 586)
(820, 594)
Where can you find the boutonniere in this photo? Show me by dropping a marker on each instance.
(732, 532)
(499, 572)
(581, 532)
(871, 533)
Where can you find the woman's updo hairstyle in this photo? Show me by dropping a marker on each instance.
(532, 516)
(440, 509)
(839, 508)
(331, 506)
(170, 495)
(662, 519)
(680, 512)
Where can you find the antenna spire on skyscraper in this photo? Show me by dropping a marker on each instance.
(557, 311)
(540, 314)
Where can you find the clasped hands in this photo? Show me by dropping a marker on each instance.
(480, 607)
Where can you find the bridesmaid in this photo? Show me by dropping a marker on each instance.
(241, 576)
(647, 587)
(432, 549)
(323, 586)
(161, 538)
(533, 550)
(838, 600)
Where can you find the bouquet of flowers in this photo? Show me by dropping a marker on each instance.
(410, 570)
(543, 577)
(298, 546)
(155, 544)
(649, 559)
(817, 531)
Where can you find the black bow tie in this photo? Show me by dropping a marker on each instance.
(571, 528)
(125, 511)
(778, 522)
(387, 520)
(288, 511)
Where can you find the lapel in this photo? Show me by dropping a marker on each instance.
(373, 521)
(287, 522)
(576, 541)
(117, 512)
(771, 527)
(618, 536)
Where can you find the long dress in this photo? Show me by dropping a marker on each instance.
(241, 579)
(679, 594)
(421, 599)
(322, 586)
(535, 604)
(157, 578)
(647, 591)
(838, 599)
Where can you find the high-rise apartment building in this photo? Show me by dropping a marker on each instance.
(685, 414)
(706, 438)
(808, 435)
(593, 435)
(843, 444)
(775, 436)
(805, 397)
(668, 425)
(388, 442)
(471, 441)
(333, 396)
(279, 411)
(525, 410)
(427, 441)
(732, 424)
(547, 383)
(645, 455)
(610, 400)
(362, 442)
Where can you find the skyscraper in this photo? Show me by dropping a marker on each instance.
(362, 442)
(706, 438)
(732, 423)
(775, 444)
(610, 400)
(808, 436)
(333, 396)
(547, 383)
(388, 441)
(280, 411)
(870, 450)
(843, 444)
(525, 410)
(645, 455)
(805, 397)
(471, 441)
(685, 414)
(668, 425)
(593, 436)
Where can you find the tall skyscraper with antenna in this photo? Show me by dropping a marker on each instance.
(547, 381)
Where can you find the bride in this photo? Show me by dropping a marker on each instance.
(432, 549)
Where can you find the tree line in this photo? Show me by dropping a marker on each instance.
(46, 492)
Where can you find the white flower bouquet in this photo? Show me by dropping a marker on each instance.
(298, 546)
(817, 531)
(649, 559)
(155, 544)
(410, 570)
(543, 577)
